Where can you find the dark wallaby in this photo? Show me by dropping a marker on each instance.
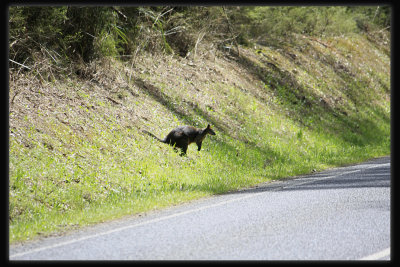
(183, 136)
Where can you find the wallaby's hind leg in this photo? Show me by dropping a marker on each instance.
(184, 149)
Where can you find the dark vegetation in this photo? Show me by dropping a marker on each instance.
(74, 34)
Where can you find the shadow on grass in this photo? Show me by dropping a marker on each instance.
(303, 108)
(309, 110)
(187, 111)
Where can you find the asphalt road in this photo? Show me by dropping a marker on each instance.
(339, 214)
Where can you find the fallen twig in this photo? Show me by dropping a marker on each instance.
(19, 64)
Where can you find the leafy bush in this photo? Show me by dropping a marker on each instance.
(272, 25)
(72, 33)
(35, 28)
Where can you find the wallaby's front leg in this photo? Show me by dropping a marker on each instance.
(199, 145)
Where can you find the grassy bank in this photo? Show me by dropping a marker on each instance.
(77, 155)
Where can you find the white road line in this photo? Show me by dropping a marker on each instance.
(320, 179)
(308, 180)
(170, 216)
(377, 165)
(377, 256)
(131, 226)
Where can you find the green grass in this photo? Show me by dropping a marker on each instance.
(62, 177)
(52, 193)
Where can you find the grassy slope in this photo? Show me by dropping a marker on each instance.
(77, 155)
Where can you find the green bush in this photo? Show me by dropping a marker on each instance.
(73, 32)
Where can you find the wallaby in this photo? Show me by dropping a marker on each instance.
(183, 136)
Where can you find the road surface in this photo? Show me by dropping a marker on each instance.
(338, 214)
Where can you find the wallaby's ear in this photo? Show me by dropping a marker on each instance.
(209, 130)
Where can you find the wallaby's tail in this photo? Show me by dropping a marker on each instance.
(152, 135)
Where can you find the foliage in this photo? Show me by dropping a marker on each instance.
(74, 32)
(272, 25)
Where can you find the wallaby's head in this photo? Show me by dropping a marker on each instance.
(209, 130)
